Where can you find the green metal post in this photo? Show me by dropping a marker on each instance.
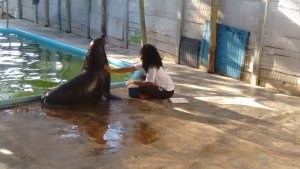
(213, 36)
(46, 6)
(88, 19)
(103, 19)
(68, 13)
(142, 22)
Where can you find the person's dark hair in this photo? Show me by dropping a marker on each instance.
(150, 57)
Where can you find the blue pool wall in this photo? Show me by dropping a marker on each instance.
(64, 47)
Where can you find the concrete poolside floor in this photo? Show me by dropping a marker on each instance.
(227, 124)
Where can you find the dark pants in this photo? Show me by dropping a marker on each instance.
(155, 92)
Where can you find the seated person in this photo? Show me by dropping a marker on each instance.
(157, 84)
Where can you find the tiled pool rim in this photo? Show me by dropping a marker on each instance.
(64, 47)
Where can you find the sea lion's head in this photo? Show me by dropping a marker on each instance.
(96, 54)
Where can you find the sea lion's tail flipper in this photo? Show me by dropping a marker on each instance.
(44, 99)
(114, 98)
(47, 104)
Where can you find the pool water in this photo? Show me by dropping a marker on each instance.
(30, 68)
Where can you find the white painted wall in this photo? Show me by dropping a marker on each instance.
(161, 23)
(27, 9)
(280, 59)
(281, 50)
(195, 14)
(96, 19)
(115, 18)
(13, 9)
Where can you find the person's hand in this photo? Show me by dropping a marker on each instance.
(128, 83)
(107, 68)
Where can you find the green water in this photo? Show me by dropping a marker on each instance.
(29, 68)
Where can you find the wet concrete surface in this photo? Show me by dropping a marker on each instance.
(151, 134)
(78, 137)
(227, 124)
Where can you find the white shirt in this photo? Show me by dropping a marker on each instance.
(158, 76)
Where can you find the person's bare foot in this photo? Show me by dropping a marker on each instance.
(144, 97)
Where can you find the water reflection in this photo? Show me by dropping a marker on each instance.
(113, 135)
(104, 128)
(93, 122)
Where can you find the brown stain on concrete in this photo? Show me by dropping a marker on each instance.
(146, 134)
(96, 131)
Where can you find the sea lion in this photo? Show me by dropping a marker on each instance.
(106, 75)
(87, 87)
